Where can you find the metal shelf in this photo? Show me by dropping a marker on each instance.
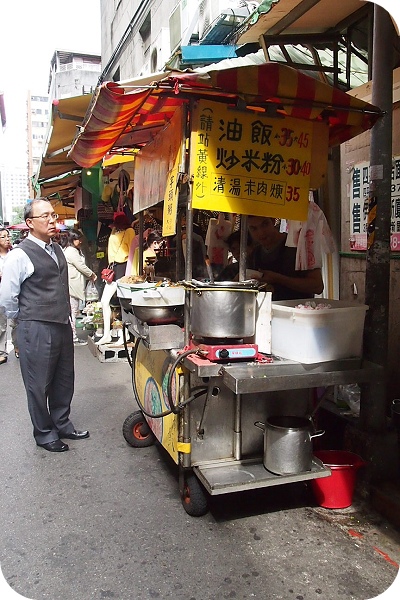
(226, 477)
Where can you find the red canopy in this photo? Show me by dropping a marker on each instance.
(19, 226)
(122, 116)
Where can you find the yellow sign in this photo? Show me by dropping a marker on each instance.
(171, 200)
(244, 162)
(152, 369)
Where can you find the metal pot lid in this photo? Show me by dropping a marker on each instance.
(248, 284)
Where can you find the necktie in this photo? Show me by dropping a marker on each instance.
(50, 250)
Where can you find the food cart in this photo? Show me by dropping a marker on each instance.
(209, 388)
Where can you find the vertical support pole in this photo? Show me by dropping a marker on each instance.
(377, 278)
(141, 228)
(237, 434)
(243, 247)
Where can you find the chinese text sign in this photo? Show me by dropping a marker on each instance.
(244, 162)
(359, 193)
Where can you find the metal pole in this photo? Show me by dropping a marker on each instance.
(377, 276)
(243, 247)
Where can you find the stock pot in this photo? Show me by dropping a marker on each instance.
(288, 444)
(226, 309)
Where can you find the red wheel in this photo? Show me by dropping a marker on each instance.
(193, 496)
(136, 431)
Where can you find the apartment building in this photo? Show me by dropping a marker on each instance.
(37, 125)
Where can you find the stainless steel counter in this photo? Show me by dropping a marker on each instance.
(282, 374)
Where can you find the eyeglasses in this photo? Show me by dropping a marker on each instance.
(46, 217)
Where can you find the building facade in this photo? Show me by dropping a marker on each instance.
(143, 37)
(37, 126)
(14, 189)
(73, 74)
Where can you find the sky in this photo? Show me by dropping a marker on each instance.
(31, 30)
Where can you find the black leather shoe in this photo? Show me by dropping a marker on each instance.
(75, 435)
(56, 446)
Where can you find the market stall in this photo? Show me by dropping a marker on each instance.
(251, 141)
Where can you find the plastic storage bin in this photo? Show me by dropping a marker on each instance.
(317, 335)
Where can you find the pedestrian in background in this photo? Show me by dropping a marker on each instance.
(34, 288)
(78, 274)
(119, 245)
(5, 247)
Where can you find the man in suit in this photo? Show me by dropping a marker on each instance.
(35, 289)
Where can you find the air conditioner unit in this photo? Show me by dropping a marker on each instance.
(178, 23)
(175, 32)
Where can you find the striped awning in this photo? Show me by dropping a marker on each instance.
(128, 116)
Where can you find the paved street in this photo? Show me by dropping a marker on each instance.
(105, 520)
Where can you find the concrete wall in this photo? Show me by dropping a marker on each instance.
(75, 83)
(352, 264)
(135, 58)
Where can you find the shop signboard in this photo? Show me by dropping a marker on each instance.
(247, 162)
(359, 202)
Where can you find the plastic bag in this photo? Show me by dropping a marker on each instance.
(350, 395)
(91, 293)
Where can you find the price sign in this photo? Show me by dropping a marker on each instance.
(245, 162)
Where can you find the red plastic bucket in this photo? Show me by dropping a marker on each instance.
(336, 491)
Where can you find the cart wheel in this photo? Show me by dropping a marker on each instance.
(193, 496)
(136, 431)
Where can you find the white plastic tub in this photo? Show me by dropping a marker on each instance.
(319, 335)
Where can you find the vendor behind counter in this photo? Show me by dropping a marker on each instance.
(277, 262)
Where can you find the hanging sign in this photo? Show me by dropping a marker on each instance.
(170, 210)
(155, 162)
(361, 204)
(244, 162)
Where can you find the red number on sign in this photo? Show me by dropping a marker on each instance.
(286, 137)
(303, 140)
(293, 167)
(292, 194)
(306, 168)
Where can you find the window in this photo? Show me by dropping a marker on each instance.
(145, 32)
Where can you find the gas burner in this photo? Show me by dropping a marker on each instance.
(226, 352)
(210, 341)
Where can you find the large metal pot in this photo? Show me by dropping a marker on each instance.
(225, 309)
(287, 444)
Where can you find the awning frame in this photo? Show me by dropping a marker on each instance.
(130, 116)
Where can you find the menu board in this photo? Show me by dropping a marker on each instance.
(249, 163)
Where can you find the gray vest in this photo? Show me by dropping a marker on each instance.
(44, 296)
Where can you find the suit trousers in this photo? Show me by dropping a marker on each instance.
(46, 354)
